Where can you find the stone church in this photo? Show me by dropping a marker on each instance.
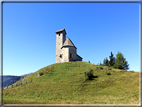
(65, 49)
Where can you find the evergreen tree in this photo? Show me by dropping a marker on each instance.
(112, 60)
(100, 63)
(104, 62)
(107, 62)
(120, 62)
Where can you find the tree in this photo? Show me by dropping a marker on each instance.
(112, 60)
(104, 62)
(120, 62)
(107, 62)
(100, 63)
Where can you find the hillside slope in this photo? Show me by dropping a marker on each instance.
(65, 83)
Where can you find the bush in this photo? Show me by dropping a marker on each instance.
(41, 73)
(108, 73)
(89, 74)
(101, 68)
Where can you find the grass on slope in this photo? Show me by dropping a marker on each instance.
(65, 83)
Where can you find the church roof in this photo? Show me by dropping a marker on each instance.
(61, 30)
(68, 42)
(79, 56)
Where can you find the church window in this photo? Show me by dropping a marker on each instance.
(60, 56)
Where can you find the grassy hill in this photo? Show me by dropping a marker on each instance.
(65, 83)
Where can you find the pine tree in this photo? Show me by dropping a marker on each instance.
(112, 60)
(107, 62)
(100, 63)
(104, 62)
(120, 62)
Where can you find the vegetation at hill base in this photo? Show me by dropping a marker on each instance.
(66, 83)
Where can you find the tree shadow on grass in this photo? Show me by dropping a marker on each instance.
(92, 77)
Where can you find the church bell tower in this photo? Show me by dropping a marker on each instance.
(60, 39)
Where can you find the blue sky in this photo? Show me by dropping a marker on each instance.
(96, 29)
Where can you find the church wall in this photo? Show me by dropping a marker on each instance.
(72, 50)
(65, 54)
(59, 43)
(78, 58)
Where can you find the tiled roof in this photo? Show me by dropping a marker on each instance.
(68, 42)
(79, 56)
(61, 30)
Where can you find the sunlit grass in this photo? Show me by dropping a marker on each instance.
(65, 83)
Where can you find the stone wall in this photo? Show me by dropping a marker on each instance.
(72, 54)
(60, 39)
(65, 54)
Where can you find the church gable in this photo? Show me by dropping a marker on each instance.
(68, 42)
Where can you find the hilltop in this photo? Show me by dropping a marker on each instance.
(65, 83)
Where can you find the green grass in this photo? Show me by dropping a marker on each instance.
(65, 83)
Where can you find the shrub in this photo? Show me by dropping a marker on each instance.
(41, 73)
(108, 73)
(89, 74)
(101, 68)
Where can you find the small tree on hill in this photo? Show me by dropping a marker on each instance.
(107, 62)
(112, 60)
(100, 63)
(104, 62)
(89, 74)
(120, 62)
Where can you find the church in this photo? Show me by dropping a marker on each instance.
(65, 49)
